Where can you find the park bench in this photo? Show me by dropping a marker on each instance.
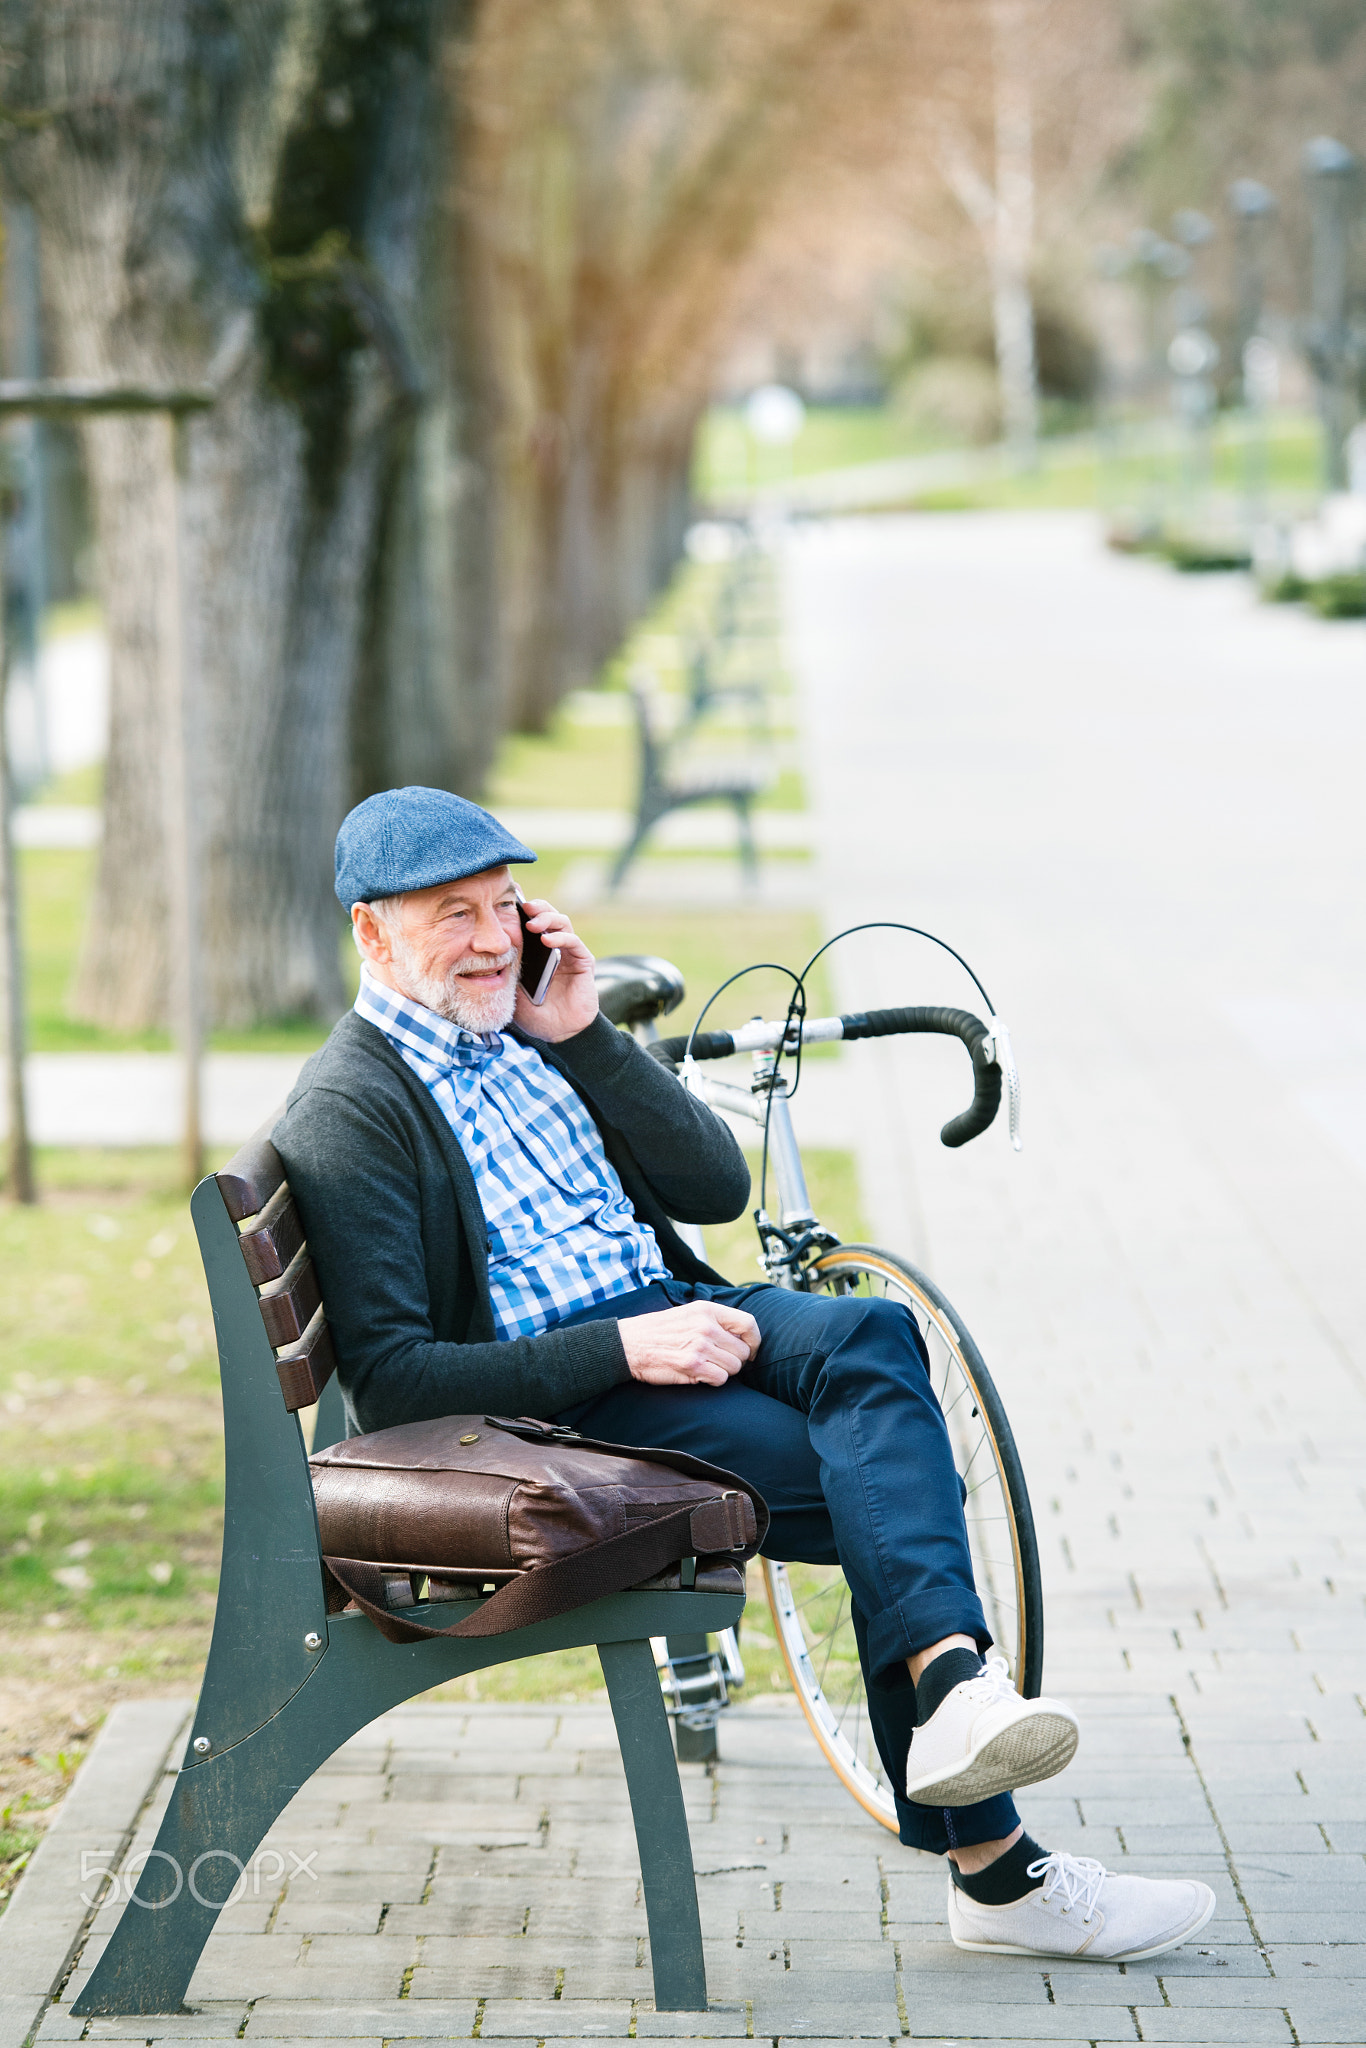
(667, 784)
(710, 687)
(286, 1683)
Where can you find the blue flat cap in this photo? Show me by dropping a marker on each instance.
(412, 838)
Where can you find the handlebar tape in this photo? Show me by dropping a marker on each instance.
(708, 1045)
(986, 1100)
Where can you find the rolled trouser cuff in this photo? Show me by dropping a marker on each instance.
(939, 1828)
(898, 1631)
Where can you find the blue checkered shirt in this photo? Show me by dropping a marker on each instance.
(562, 1235)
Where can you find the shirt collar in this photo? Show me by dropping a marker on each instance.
(417, 1029)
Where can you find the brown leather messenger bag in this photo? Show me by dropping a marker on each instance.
(545, 1517)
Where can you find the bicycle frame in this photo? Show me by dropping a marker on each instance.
(787, 1242)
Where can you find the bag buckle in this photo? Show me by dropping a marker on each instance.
(733, 1495)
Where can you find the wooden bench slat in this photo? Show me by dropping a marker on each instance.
(289, 1305)
(251, 1176)
(308, 1367)
(269, 1248)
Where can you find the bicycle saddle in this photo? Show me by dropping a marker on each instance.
(635, 988)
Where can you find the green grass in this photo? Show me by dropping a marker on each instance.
(1122, 469)
(587, 766)
(1126, 474)
(573, 766)
(77, 786)
(832, 437)
(110, 1393)
(55, 890)
(17, 1844)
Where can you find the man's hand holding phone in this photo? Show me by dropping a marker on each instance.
(557, 996)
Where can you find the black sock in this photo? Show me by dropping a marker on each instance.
(938, 1679)
(1005, 1880)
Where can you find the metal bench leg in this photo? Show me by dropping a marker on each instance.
(629, 852)
(749, 854)
(219, 1812)
(661, 1826)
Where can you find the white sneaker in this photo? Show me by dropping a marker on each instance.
(983, 1738)
(1083, 1910)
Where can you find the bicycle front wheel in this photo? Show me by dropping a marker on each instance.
(810, 1603)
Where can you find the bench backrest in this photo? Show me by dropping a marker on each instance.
(271, 1238)
(652, 750)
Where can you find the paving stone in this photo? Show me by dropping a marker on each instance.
(61, 2024)
(719, 2023)
(377, 1861)
(1330, 1959)
(531, 2019)
(1038, 2023)
(325, 1915)
(1098, 1984)
(1244, 2023)
(792, 2004)
(552, 1916)
(495, 1918)
(343, 1889)
(396, 2019)
(206, 2022)
(506, 1973)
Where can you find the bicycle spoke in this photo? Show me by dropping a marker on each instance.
(982, 1439)
(815, 1642)
(821, 1593)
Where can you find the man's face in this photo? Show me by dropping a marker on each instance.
(456, 949)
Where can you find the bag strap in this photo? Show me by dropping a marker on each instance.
(711, 1527)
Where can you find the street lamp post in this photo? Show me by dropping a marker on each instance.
(65, 399)
(1154, 265)
(1252, 207)
(1193, 357)
(1331, 169)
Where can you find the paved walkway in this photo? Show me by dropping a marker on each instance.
(1132, 800)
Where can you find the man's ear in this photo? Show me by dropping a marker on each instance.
(372, 939)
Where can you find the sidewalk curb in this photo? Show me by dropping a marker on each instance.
(45, 1921)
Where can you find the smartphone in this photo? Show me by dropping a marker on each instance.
(539, 961)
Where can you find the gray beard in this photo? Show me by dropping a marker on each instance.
(450, 995)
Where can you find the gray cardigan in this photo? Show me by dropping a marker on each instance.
(398, 1236)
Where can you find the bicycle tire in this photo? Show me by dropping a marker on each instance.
(1008, 1579)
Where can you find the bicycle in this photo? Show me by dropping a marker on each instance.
(810, 1603)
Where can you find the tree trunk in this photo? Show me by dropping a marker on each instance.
(252, 194)
(1012, 240)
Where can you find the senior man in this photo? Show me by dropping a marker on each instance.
(513, 1175)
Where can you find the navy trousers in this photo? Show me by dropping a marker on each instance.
(835, 1422)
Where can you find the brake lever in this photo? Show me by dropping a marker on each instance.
(997, 1047)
